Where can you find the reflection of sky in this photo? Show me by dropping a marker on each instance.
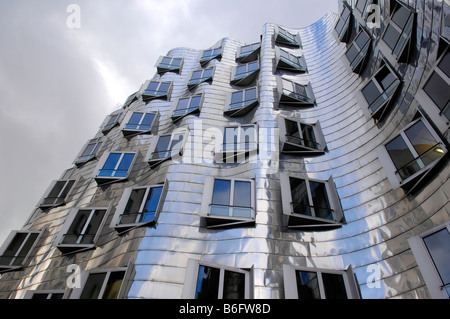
(438, 244)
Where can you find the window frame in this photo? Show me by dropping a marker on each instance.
(127, 132)
(288, 39)
(294, 101)
(287, 63)
(191, 278)
(189, 111)
(123, 202)
(82, 159)
(298, 149)
(154, 143)
(9, 240)
(247, 77)
(164, 68)
(61, 199)
(247, 105)
(426, 264)
(107, 126)
(77, 247)
(192, 85)
(150, 96)
(101, 180)
(252, 55)
(290, 281)
(300, 221)
(212, 221)
(237, 154)
(363, 53)
(203, 60)
(345, 31)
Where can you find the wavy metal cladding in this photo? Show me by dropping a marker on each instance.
(379, 219)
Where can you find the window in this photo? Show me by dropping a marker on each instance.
(361, 6)
(241, 102)
(111, 121)
(239, 143)
(228, 202)
(166, 146)
(58, 192)
(140, 122)
(399, 30)
(301, 138)
(156, 89)
(309, 203)
(209, 281)
(411, 154)
(342, 26)
(245, 74)
(210, 54)
(186, 106)
(139, 206)
(294, 94)
(81, 230)
(115, 166)
(101, 284)
(16, 249)
(282, 36)
(89, 151)
(45, 294)
(288, 61)
(432, 252)
(200, 76)
(248, 53)
(168, 64)
(358, 51)
(133, 97)
(379, 91)
(312, 283)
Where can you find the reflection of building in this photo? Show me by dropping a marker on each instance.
(355, 203)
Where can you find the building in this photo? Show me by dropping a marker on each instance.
(312, 163)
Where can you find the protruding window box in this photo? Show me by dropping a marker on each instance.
(284, 37)
(310, 204)
(294, 94)
(15, 251)
(241, 102)
(288, 61)
(140, 123)
(58, 192)
(210, 54)
(156, 90)
(169, 64)
(240, 142)
(299, 138)
(186, 106)
(114, 167)
(89, 151)
(358, 52)
(248, 53)
(200, 76)
(342, 27)
(165, 147)
(245, 74)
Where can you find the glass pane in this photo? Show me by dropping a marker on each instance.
(307, 285)
(230, 138)
(56, 190)
(110, 165)
(133, 207)
(183, 104)
(93, 226)
(321, 203)
(423, 141)
(176, 62)
(195, 102)
(88, 150)
(309, 137)
(250, 94)
(361, 5)
(177, 142)
(207, 73)
(237, 97)
(399, 152)
(247, 138)
(221, 192)
(76, 228)
(152, 86)
(135, 118)
(11, 251)
(234, 285)
(371, 92)
(113, 286)
(401, 16)
(299, 193)
(438, 90)
(444, 65)
(253, 66)
(362, 39)
(352, 53)
(152, 204)
(242, 194)
(207, 283)
(122, 170)
(147, 121)
(334, 286)
(166, 61)
(93, 286)
(391, 36)
(438, 245)
(163, 88)
(292, 128)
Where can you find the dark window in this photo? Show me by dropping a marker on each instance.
(249, 52)
(342, 26)
(103, 285)
(296, 94)
(286, 37)
(142, 206)
(57, 194)
(84, 227)
(232, 199)
(89, 151)
(291, 62)
(438, 246)
(307, 285)
(169, 64)
(18, 249)
(113, 120)
(358, 50)
(167, 146)
(314, 285)
(209, 285)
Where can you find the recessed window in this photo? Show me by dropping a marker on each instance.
(16, 249)
(245, 74)
(309, 203)
(58, 192)
(89, 151)
(295, 94)
(80, 232)
(45, 294)
(101, 284)
(111, 121)
(210, 54)
(342, 26)
(299, 138)
(248, 53)
(400, 28)
(166, 146)
(380, 90)
(140, 123)
(168, 64)
(282, 36)
(311, 283)
(209, 281)
(358, 51)
(241, 102)
(115, 166)
(289, 61)
(157, 89)
(139, 206)
(200, 76)
(229, 202)
(413, 153)
(239, 143)
(432, 253)
(186, 106)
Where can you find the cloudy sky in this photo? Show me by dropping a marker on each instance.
(58, 83)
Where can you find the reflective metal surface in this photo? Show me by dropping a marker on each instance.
(378, 219)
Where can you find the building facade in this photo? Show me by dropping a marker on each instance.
(312, 163)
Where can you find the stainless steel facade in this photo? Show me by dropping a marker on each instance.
(378, 218)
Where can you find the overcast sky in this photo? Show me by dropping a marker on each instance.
(57, 84)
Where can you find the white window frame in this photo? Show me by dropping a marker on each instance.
(299, 221)
(133, 132)
(289, 63)
(290, 281)
(426, 264)
(177, 155)
(148, 97)
(247, 77)
(235, 112)
(216, 221)
(250, 55)
(101, 180)
(9, 240)
(168, 68)
(121, 228)
(191, 278)
(285, 99)
(187, 111)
